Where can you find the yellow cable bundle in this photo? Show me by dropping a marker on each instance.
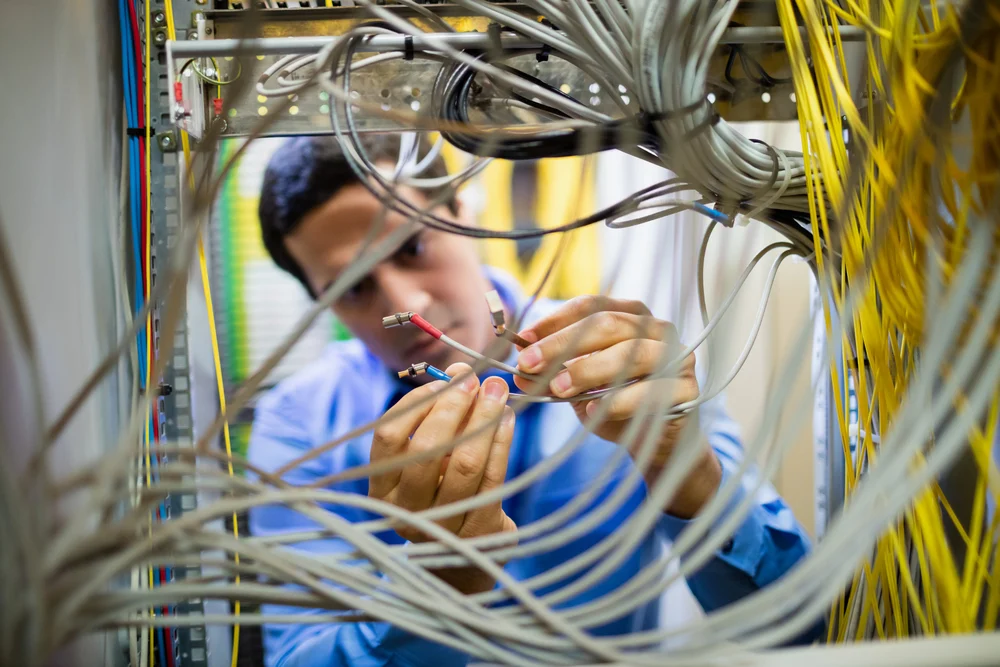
(888, 224)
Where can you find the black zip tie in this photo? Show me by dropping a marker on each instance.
(408, 47)
(543, 55)
(775, 166)
(650, 117)
(135, 131)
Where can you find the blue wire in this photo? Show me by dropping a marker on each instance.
(131, 87)
(711, 212)
(135, 185)
(437, 373)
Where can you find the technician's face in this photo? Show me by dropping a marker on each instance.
(434, 273)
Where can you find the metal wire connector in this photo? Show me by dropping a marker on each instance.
(423, 367)
(495, 304)
(414, 370)
(397, 320)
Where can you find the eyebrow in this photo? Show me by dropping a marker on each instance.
(337, 275)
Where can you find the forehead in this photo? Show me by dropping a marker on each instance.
(330, 235)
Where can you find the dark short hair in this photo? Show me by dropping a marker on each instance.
(305, 172)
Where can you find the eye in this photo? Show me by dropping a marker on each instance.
(414, 247)
(359, 291)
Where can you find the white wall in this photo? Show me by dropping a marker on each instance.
(660, 269)
(60, 110)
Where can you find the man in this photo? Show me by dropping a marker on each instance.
(315, 216)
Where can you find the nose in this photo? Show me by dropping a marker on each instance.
(402, 291)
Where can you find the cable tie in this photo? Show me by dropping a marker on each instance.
(136, 131)
(543, 54)
(493, 30)
(408, 47)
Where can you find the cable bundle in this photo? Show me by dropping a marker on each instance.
(917, 193)
(918, 295)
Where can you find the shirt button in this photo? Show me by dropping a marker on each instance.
(727, 546)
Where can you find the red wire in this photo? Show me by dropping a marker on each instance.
(425, 326)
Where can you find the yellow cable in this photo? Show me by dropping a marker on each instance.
(149, 273)
(904, 166)
(216, 358)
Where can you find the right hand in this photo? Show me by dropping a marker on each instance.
(476, 465)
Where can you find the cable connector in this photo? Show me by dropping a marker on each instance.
(397, 320)
(423, 367)
(414, 370)
(495, 304)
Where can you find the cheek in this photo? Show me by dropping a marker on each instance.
(360, 326)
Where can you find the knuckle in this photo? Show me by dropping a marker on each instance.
(606, 323)
(586, 304)
(637, 306)
(409, 533)
(465, 465)
(384, 437)
(476, 523)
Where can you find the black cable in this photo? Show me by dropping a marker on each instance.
(453, 90)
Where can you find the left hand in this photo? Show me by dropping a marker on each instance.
(604, 340)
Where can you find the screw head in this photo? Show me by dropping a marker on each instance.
(159, 18)
(160, 37)
(166, 142)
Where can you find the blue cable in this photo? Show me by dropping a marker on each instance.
(130, 90)
(131, 115)
(437, 373)
(718, 216)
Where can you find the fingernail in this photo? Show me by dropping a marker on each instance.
(508, 417)
(529, 336)
(561, 383)
(530, 358)
(591, 408)
(470, 384)
(495, 389)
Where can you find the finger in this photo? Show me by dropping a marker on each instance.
(656, 395)
(595, 332)
(530, 387)
(392, 435)
(577, 309)
(619, 363)
(491, 518)
(469, 459)
(419, 479)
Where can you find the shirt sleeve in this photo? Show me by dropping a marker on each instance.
(766, 545)
(279, 436)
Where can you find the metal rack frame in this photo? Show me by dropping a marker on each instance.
(282, 32)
